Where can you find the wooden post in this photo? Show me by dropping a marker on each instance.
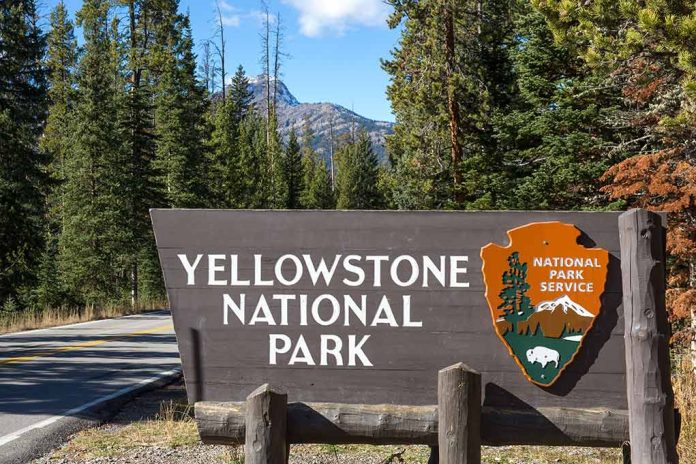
(434, 455)
(650, 395)
(459, 415)
(266, 427)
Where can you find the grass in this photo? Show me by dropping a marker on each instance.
(490, 455)
(173, 427)
(551, 455)
(18, 321)
(684, 383)
(233, 455)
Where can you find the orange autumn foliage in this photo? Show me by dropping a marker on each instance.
(662, 176)
(665, 181)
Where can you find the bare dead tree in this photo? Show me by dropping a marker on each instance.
(278, 55)
(207, 67)
(266, 65)
(221, 49)
(352, 123)
(331, 152)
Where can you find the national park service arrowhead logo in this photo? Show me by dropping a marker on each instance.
(543, 291)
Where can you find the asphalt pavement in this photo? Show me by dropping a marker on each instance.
(56, 381)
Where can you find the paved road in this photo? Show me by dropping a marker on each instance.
(54, 381)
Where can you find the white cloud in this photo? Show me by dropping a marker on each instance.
(260, 16)
(318, 17)
(229, 14)
(225, 6)
(231, 20)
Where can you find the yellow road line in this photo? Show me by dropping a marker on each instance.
(80, 346)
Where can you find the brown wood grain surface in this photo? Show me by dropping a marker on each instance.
(226, 363)
(382, 424)
(650, 395)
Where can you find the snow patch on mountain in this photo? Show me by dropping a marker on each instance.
(566, 304)
(257, 85)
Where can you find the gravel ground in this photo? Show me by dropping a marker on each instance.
(133, 437)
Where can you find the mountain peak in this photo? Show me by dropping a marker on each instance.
(328, 121)
(257, 85)
(564, 303)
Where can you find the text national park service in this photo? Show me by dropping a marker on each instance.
(298, 309)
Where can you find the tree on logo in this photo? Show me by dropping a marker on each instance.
(516, 304)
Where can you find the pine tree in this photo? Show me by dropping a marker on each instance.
(94, 242)
(179, 110)
(136, 122)
(553, 134)
(448, 73)
(255, 185)
(293, 172)
(61, 62)
(516, 304)
(233, 177)
(226, 182)
(22, 116)
(241, 94)
(358, 175)
(195, 107)
(317, 192)
(276, 189)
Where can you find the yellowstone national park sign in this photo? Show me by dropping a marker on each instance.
(366, 307)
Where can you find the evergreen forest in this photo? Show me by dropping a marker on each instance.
(499, 105)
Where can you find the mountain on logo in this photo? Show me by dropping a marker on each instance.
(560, 318)
(567, 305)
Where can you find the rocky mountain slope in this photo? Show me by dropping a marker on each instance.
(326, 119)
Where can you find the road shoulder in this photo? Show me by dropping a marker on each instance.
(39, 439)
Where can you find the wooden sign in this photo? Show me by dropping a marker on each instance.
(367, 307)
(544, 292)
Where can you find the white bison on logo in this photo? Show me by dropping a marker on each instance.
(543, 356)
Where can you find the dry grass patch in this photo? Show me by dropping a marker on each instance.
(173, 427)
(30, 320)
(388, 454)
(685, 395)
(420, 454)
(551, 455)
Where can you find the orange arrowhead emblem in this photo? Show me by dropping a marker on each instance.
(543, 292)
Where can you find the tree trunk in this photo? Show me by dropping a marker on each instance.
(134, 286)
(453, 104)
(331, 153)
(221, 50)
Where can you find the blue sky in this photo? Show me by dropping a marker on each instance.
(335, 46)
